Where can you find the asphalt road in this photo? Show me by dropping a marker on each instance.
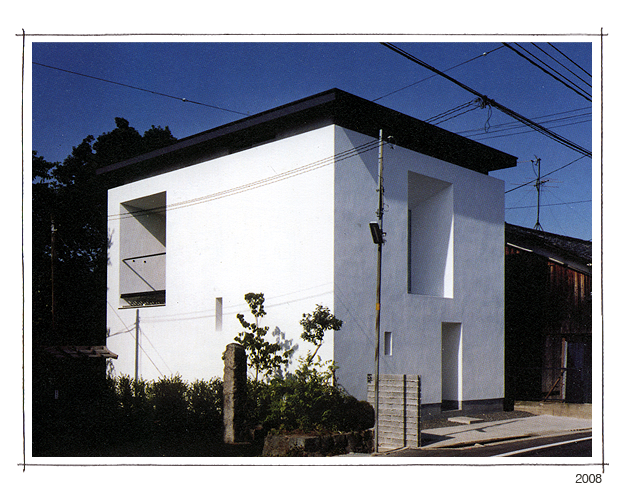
(566, 445)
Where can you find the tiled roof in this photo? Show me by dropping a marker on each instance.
(566, 246)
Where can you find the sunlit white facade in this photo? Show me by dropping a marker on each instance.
(288, 215)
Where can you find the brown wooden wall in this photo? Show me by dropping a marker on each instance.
(548, 328)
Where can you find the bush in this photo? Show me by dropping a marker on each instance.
(168, 407)
(168, 398)
(306, 401)
(205, 401)
(136, 418)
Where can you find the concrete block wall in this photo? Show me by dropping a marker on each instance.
(399, 401)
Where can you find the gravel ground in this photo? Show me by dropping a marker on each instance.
(436, 423)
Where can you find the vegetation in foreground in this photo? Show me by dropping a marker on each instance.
(173, 417)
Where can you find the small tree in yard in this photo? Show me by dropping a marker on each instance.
(315, 325)
(306, 399)
(262, 356)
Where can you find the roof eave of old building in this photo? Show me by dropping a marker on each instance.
(573, 252)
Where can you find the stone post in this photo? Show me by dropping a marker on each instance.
(235, 385)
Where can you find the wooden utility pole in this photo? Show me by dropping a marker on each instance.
(53, 310)
(380, 214)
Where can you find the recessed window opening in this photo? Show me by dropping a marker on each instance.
(430, 260)
(143, 251)
(388, 343)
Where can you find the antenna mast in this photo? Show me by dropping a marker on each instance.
(538, 184)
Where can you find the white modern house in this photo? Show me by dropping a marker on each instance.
(280, 203)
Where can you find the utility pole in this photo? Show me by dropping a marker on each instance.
(52, 266)
(380, 242)
(137, 346)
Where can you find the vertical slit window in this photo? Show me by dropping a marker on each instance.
(219, 308)
(388, 343)
(409, 252)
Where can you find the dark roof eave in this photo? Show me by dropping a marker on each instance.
(342, 109)
(565, 246)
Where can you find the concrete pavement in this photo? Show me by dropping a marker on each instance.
(494, 431)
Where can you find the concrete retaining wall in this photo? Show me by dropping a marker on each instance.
(555, 408)
(284, 445)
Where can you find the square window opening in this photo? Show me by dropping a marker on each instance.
(143, 251)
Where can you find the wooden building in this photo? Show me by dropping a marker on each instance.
(548, 317)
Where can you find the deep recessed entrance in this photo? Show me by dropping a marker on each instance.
(451, 366)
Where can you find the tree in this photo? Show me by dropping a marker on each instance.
(262, 356)
(43, 189)
(70, 195)
(317, 324)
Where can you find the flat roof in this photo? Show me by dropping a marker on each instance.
(330, 107)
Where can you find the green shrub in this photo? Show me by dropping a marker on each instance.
(205, 401)
(135, 413)
(306, 401)
(169, 401)
(168, 406)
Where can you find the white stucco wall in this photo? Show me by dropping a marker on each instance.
(283, 219)
(416, 320)
(253, 221)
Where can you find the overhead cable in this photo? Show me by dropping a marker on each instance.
(533, 181)
(563, 65)
(513, 129)
(453, 112)
(538, 119)
(551, 204)
(142, 89)
(556, 48)
(498, 135)
(583, 93)
(363, 148)
(494, 104)
(432, 76)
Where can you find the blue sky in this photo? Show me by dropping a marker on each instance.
(248, 78)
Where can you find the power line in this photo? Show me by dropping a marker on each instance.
(530, 182)
(491, 102)
(551, 204)
(453, 112)
(515, 125)
(583, 93)
(142, 89)
(368, 146)
(536, 118)
(556, 48)
(432, 76)
(545, 71)
(155, 350)
(560, 63)
(151, 360)
(486, 135)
